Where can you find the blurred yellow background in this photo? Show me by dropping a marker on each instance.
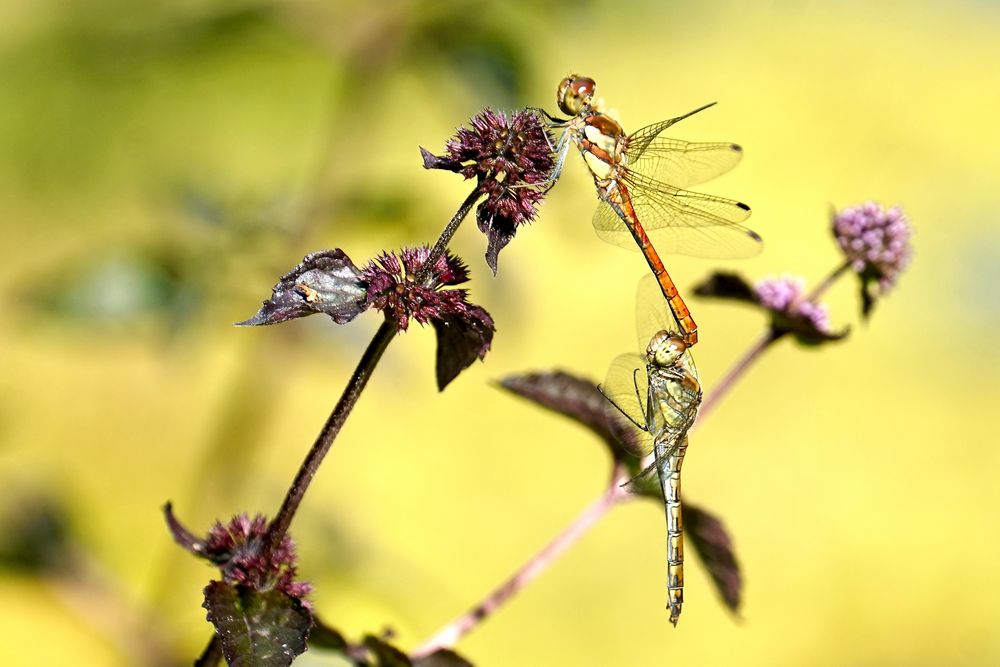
(161, 163)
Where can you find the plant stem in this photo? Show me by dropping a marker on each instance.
(449, 635)
(279, 526)
(828, 281)
(386, 332)
(770, 337)
(446, 234)
(366, 366)
(736, 372)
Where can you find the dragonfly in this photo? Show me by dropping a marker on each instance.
(640, 181)
(659, 393)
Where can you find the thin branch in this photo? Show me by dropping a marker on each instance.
(736, 372)
(279, 526)
(449, 635)
(446, 234)
(828, 281)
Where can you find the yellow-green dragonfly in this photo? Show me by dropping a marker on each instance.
(659, 393)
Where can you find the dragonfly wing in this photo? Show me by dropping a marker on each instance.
(610, 227)
(691, 223)
(639, 140)
(681, 163)
(626, 387)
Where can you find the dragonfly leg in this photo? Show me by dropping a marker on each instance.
(641, 427)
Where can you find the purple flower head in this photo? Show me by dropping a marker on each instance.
(511, 158)
(464, 330)
(875, 240)
(238, 549)
(393, 290)
(792, 311)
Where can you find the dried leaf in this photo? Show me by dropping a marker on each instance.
(324, 282)
(461, 339)
(715, 549)
(257, 629)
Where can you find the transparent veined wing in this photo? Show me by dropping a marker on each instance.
(639, 140)
(683, 164)
(680, 221)
(626, 388)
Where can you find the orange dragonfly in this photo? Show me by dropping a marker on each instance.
(640, 181)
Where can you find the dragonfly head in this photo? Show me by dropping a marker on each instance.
(575, 93)
(665, 349)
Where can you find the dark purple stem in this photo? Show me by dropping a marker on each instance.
(446, 234)
(366, 366)
(386, 332)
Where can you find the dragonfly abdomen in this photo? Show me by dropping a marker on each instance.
(670, 482)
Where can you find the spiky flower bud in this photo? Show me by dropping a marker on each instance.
(511, 158)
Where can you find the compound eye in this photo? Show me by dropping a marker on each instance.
(575, 92)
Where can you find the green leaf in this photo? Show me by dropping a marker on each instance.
(257, 629)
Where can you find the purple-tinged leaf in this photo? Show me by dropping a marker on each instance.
(442, 658)
(868, 288)
(325, 637)
(182, 535)
(805, 329)
(461, 339)
(724, 285)
(569, 395)
(715, 549)
(580, 400)
(324, 282)
(257, 629)
(386, 655)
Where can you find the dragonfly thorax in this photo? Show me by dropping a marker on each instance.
(665, 349)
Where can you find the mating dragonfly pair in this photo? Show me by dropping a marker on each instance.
(641, 182)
